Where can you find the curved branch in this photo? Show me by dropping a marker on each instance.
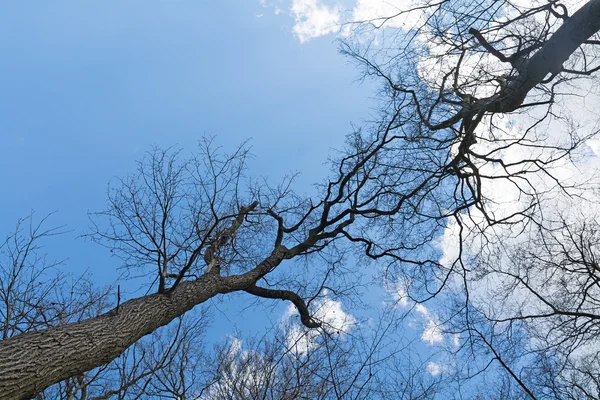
(305, 317)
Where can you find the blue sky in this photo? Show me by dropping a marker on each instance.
(89, 86)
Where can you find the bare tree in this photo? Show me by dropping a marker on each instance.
(197, 227)
(34, 294)
(481, 85)
(173, 363)
(188, 224)
(293, 363)
(540, 317)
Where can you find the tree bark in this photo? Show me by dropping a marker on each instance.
(33, 361)
(549, 59)
(30, 362)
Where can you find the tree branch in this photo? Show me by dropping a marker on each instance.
(305, 317)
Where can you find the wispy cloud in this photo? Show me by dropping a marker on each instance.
(313, 18)
(329, 312)
(316, 18)
(434, 369)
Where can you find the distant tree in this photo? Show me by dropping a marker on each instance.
(197, 227)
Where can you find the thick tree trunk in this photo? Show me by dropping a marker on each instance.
(549, 59)
(30, 362)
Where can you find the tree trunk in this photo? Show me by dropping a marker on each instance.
(549, 59)
(33, 361)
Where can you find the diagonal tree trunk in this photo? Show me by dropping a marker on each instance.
(549, 59)
(32, 361)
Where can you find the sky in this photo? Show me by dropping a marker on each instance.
(88, 87)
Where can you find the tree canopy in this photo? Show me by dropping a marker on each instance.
(475, 190)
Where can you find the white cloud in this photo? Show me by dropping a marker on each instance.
(301, 340)
(432, 333)
(432, 328)
(434, 368)
(422, 309)
(332, 315)
(314, 19)
(235, 346)
(506, 197)
(594, 145)
(378, 10)
(489, 282)
(242, 372)
(398, 293)
(334, 319)
(456, 340)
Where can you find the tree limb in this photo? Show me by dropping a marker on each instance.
(305, 317)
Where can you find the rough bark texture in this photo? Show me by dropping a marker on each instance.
(33, 361)
(30, 362)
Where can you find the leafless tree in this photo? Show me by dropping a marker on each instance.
(173, 363)
(481, 84)
(292, 363)
(540, 317)
(34, 294)
(196, 227)
(164, 364)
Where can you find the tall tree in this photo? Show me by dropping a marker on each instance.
(501, 86)
(198, 228)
